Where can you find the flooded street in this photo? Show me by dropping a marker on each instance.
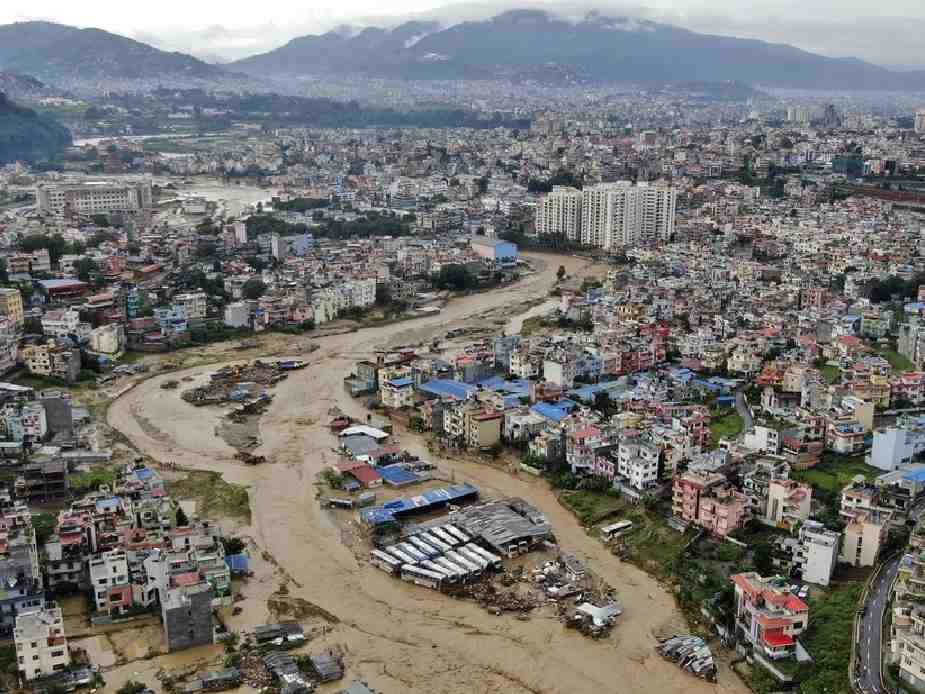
(397, 637)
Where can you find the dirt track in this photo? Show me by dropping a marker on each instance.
(397, 637)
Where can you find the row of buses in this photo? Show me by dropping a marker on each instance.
(436, 557)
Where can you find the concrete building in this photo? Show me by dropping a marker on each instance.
(919, 123)
(559, 213)
(768, 617)
(911, 341)
(11, 305)
(194, 304)
(93, 197)
(621, 215)
(897, 445)
(237, 315)
(187, 616)
(53, 359)
(817, 552)
(109, 582)
(789, 503)
(107, 339)
(64, 322)
(494, 249)
(41, 646)
(865, 533)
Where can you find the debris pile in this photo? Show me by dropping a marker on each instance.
(249, 458)
(691, 653)
(254, 671)
(496, 601)
(170, 385)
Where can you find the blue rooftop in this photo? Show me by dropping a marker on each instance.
(401, 382)
(428, 501)
(915, 475)
(445, 387)
(550, 412)
(237, 563)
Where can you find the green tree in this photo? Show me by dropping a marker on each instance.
(182, 519)
(253, 289)
(131, 687)
(87, 269)
(4, 273)
(454, 276)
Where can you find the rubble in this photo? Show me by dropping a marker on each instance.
(691, 653)
(249, 458)
(241, 383)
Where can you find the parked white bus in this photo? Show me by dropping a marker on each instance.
(385, 561)
(400, 555)
(456, 532)
(429, 550)
(448, 576)
(461, 572)
(421, 577)
(435, 541)
(493, 559)
(457, 558)
(467, 552)
(412, 551)
(445, 537)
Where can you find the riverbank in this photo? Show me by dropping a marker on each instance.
(400, 638)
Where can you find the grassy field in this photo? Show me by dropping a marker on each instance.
(834, 472)
(593, 507)
(84, 482)
(215, 498)
(727, 426)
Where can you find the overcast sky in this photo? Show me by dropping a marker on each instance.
(887, 35)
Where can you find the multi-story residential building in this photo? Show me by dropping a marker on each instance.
(559, 367)
(638, 464)
(559, 213)
(64, 323)
(865, 533)
(788, 503)
(11, 306)
(41, 646)
(93, 197)
(817, 552)
(109, 582)
(186, 612)
(396, 393)
(193, 304)
(687, 490)
(58, 360)
(723, 510)
(911, 341)
(768, 617)
(899, 444)
(621, 215)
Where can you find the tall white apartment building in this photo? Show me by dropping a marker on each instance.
(559, 213)
(623, 215)
(93, 197)
(920, 121)
(41, 647)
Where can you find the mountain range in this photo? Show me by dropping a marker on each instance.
(57, 53)
(524, 43)
(518, 44)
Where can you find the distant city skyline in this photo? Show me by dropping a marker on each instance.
(226, 31)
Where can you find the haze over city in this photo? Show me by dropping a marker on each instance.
(887, 36)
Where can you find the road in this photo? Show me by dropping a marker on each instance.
(870, 647)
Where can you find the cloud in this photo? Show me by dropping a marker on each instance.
(836, 28)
